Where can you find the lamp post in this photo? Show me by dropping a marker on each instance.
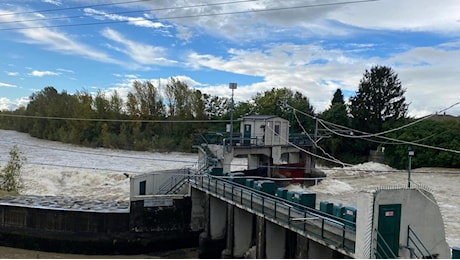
(410, 153)
(232, 86)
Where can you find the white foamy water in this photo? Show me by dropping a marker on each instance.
(64, 170)
(57, 169)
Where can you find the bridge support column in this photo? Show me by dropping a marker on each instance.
(275, 241)
(228, 251)
(226, 162)
(260, 237)
(253, 161)
(242, 232)
(212, 240)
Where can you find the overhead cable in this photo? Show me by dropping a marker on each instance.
(192, 16)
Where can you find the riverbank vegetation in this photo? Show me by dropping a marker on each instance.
(10, 174)
(175, 118)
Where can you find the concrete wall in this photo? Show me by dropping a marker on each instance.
(218, 219)
(275, 241)
(199, 210)
(419, 210)
(62, 220)
(364, 226)
(243, 232)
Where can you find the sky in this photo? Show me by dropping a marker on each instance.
(310, 46)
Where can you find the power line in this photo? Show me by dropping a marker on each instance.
(378, 135)
(128, 12)
(115, 120)
(75, 7)
(194, 16)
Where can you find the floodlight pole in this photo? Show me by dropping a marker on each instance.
(232, 86)
(410, 153)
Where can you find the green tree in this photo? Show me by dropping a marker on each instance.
(379, 102)
(337, 111)
(336, 145)
(433, 132)
(10, 177)
(380, 99)
(338, 97)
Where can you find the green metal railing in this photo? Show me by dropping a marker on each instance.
(383, 250)
(417, 249)
(296, 217)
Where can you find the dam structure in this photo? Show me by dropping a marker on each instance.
(253, 214)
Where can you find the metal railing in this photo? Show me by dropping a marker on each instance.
(383, 250)
(296, 217)
(175, 182)
(417, 249)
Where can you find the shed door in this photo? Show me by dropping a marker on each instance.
(247, 134)
(142, 186)
(389, 228)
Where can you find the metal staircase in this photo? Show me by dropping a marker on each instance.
(175, 183)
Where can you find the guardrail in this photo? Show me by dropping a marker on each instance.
(298, 218)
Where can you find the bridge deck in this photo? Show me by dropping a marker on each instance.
(308, 222)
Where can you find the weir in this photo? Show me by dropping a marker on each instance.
(252, 214)
(244, 214)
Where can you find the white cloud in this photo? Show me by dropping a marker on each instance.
(66, 71)
(416, 15)
(11, 73)
(429, 74)
(53, 2)
(141, 53)
(52, 40)
(137, 21)
(7, 85)
(38, 73)
(7, 104)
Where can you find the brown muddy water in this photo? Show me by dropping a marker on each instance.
(17, 253)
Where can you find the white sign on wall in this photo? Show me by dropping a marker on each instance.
(157, 202)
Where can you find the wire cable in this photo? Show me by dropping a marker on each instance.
(193, 16)
(128, 12)
(115, 120)
(75, 7)
(378, 134)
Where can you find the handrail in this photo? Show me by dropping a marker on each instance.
(174, 181)
(296, 217)
(417, 243)
(385, 247)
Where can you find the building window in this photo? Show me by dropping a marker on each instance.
(142, 185)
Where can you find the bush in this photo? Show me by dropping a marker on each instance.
(10, 175)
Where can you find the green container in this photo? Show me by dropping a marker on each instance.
(349, 213)
(249, 183)
(305, 198)
(455, 252)
(338, 211)
(281, 193)
(326, 207)
(290, 194)
(217, 171)
(237, 177)
(265, 186)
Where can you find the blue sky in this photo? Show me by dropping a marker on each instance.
(310, 46)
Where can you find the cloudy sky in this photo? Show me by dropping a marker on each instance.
(311, 46)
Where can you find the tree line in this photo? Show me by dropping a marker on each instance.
(173, 120)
